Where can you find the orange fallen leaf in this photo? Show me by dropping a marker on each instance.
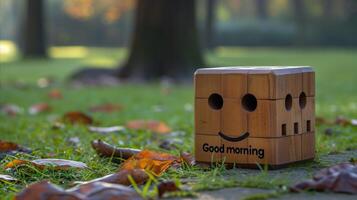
(107, 108)
(39, 108)
(76, 117)
(55, 94)
(59, 164)
(10, 148)
(151, 125)
(155, 162)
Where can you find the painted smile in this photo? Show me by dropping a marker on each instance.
(234, 139)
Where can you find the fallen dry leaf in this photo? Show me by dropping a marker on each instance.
(76, 117)
(105, 130)
(59, 164)
(167, 186)
(339, 178)
(155, 162)
(4, 177)
(97, 190)
(122, 177)
(106, 108)
(171, 144)
(55, 94)
(342, 121)
(39, 108)
(188, 158)
(10, 148)
(151, 125)
(10, 109)
(107, 150)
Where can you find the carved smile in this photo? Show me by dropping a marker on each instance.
(234, 139)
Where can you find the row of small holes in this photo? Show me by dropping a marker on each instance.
(296, 128)
(249, 101)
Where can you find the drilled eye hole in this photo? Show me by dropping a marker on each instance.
(302, 100)
(215, 101)
(288, 102)
(249, 102)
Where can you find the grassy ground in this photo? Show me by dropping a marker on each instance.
(336, 95)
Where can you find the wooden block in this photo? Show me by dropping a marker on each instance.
(275, 151)
(308, 115)
(234, 85)
(287, 84)
(207, 84)
(207, 120)
(262, 121)
(208, 148)
(288, 114)
(307, 145)
(259, 85)
(275, 83)
(261, 151)
(308, 82)
(234, 152)
(233, 118)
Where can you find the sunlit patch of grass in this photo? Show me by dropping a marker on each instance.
(8, 51)
(68, 52)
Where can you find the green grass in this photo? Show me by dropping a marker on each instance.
(336, 95)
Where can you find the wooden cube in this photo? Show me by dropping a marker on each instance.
(261, 115)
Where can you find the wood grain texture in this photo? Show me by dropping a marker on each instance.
(207, 120)
(262, 121)
(233, 118)
(206, 156)
(233, 151)
(277, 151)
(308, 145)
(308, 82)
(308, 115)
(207, 84)
(234, 85)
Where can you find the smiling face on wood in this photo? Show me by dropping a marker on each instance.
(254, 115)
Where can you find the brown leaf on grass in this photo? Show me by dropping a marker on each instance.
(105, 130)
(188, 158)
(39, 108)
(122, 177)
(76, 117)
(104, 149)
(4, 177)
(339, 178)
(155, 162)
(10, 148)
(151, 125)
(59, 164)
(167, 186)
(97, 190)
(10, 109)
(342, 121)
(55, 94)
(106, 108)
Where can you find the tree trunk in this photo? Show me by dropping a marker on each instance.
(34, 34)
(210, 21)
(300, 19)
(165, 41)
(262, 9)
(327, 9)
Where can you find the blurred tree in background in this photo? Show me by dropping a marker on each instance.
(34, 37)
(165, 40)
